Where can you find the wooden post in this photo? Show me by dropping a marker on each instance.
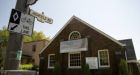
(14, 44)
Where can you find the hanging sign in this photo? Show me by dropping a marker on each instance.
(74, 45)
(92, 62)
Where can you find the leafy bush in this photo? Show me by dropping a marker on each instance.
(35, 67)
(86, 70)
(26, 66)
(57, 69)
(123, 67)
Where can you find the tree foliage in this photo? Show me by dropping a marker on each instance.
(35, 37)
(123, 67)
(1, 57)
(25, 66)
(3, 41)
(28, 67)
(4, 35)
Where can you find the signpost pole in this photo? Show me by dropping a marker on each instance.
(15, 42)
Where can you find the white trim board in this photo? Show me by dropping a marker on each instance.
(50, 67)
(132, 61)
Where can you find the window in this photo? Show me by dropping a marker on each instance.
(74, 60)
(51, 60)
(74, 35)
(103, 56)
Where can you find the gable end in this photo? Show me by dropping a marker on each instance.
(99, 31)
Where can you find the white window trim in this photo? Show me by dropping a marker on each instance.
(72, 33)
(50, 67)
(103, 66)
(73, 67)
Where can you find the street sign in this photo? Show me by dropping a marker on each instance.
(21, 23)
(27, 23)
(14, 21)
(41, 17)
(15, 16)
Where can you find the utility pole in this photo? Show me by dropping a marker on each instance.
(15, 42)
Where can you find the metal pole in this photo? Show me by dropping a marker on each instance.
(14, 42)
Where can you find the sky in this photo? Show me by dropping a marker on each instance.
(117, 18)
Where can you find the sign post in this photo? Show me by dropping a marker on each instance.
(20, 23)
(15, 40)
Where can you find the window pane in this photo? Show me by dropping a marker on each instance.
(103, 54)
(75, 60)
(74, 35)
(51, 60)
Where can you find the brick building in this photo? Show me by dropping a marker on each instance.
(78, 43)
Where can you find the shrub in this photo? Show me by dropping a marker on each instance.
(57, 69)
(35, 67)
(26, 66)
(86, 70)
(123, 67)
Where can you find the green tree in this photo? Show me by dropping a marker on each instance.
(123, 67)
(35, 36)
(1, 57)
(4, 35)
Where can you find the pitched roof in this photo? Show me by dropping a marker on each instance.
(74, 17)
(130, 51)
